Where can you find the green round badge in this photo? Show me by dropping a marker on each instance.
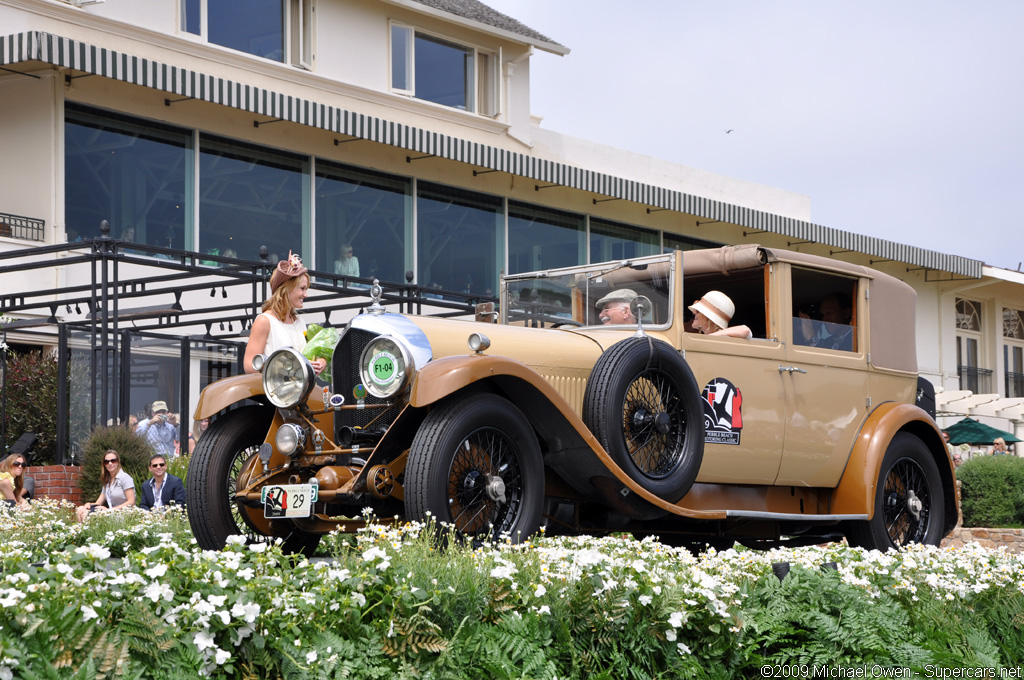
(359, 391)
(383, 368)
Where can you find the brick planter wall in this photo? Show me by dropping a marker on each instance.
(1013, 539)
(58, 481)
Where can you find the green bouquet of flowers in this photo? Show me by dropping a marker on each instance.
(320, 344)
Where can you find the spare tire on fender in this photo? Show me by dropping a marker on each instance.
(643, 404)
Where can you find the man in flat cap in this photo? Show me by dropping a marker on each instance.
(613, 308)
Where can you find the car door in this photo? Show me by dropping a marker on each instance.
(743, 396)
(742, 390)
(825, 376)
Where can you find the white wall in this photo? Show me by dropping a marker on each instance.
(156, 16)
(29, 143)
(352, 43)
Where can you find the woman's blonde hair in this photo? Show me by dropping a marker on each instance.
(278, 303)
(19, 480)
(107, 477)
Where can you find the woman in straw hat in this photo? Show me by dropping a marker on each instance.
(279, 325)
(712, 314)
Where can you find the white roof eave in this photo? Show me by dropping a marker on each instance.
(411, 5)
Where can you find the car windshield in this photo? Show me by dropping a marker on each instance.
(570, 297)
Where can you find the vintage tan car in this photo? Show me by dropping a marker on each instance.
(808, 431)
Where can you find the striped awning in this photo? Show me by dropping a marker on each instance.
(80, 56)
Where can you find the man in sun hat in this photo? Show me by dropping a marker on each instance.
(712, 314)
(613, 308)
(161, 430)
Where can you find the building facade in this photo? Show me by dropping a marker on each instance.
(384, 137)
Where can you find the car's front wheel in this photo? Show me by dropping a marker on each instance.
(225, 453)
(475, 464)
(909, 504)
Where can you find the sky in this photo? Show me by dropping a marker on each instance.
(902, 120)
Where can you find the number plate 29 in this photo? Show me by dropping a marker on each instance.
(289, 500)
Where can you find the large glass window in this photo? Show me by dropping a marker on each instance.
(672, 242)
(613, 241)
(363, 221)
(250, 197)
(459, 239)
(280, 30)
(540, 238)
(444, 72)
(134, 173)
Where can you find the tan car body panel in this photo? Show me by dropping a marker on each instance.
(223, 393)
(856, 491)
(219, 395)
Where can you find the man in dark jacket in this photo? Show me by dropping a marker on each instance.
(163, 489)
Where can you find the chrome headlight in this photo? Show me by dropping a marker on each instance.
(290, 438)
(384, 366)
(287, 378)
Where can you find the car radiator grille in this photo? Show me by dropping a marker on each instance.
(346, 377)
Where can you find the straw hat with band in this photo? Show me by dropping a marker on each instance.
(716, 306)
(286, 269)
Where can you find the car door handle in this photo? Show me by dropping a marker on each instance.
(790, 369)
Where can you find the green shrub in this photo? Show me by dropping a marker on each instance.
(133, 449)
(31, 388)
(992, 491)
(179, 468)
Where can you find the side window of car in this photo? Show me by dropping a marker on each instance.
(824, 310)
(745, 289)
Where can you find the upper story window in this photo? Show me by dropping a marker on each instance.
(280, 30)
(1013, 351)
(968, 315)
(438, 70)
(969, 348)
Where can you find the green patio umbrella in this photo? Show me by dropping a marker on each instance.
(970, 431)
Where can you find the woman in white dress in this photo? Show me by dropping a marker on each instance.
(279, 325)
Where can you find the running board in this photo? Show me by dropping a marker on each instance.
(790, 516)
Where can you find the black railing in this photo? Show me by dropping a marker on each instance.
(977, 380)
(93, 319)
(25, 228)
(1014, 384)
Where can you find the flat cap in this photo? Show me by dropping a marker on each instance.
(621, 295)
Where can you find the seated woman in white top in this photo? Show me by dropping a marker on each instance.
(279, 325)
(347, 264)
(712, 314)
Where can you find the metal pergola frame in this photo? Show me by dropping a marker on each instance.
(156, 276)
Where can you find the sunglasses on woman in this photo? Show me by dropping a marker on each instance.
(17, 465)
(108, 461)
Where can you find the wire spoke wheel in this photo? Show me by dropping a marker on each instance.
(239, 514)
(643, 405)
(485, 483)
(475, 464)
(223, 461)
(909, 506)
(906, 503)
(654, 424)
